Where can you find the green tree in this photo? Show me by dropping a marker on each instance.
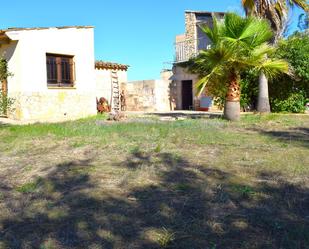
(237, 44)
(276, 12)
(286, 92)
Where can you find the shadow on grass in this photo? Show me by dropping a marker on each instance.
(2, 124)
(188, 115)
(189, 206)
(299, 135)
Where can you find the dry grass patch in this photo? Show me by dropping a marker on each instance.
(146, 183)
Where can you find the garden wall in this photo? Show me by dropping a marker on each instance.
(149, 95)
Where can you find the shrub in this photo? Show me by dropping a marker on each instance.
(6, 104)
(289, 94)
(294, 103)
(249, 89)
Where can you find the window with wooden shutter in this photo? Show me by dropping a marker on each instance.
(60, 70)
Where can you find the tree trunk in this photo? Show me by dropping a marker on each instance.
(232, 100)
(263, 97)
(4, 86)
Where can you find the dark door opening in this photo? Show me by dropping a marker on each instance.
(186, 92)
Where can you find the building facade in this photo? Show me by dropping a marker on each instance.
(150, 95)
(54, 72)
(187, 46)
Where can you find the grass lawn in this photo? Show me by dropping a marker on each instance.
(145, 183)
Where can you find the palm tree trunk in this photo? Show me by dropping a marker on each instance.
(232, 100)
(263, 97)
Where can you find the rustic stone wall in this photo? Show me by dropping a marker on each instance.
(149, 95)
(180, 74)
(53, 105)
(140, 95)
(190, 25)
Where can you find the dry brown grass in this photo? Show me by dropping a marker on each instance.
(202, 183)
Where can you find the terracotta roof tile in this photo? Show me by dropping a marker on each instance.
(110, 65)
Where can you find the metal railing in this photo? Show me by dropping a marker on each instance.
(184, 50)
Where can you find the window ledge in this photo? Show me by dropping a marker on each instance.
(62, 87)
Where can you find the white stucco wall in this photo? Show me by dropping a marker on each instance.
(26, 56)
(104, 82)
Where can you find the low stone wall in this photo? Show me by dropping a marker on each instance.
(148, 95)
(53, 105)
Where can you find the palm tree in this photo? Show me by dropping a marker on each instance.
(238, 43)
(276, 12)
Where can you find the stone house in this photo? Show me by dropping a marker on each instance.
(188, 45)
(54, 72)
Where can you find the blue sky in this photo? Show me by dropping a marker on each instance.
(135, 32)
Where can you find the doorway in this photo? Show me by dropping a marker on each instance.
(187, 95)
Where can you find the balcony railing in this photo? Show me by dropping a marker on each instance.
(187, 49)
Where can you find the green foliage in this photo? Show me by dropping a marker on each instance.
(244, 191)
(29, 187)
(249, 88)
(4, 73)
(295, 50)
(238, 44)
(6, 103)
(294, 103)
(275, 11)
(165, 238)
(289, 93)
(158, 148)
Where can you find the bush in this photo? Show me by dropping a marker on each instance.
(249, 89)
(6, 104)
(294, 103)
(287, 93)
(4, 73)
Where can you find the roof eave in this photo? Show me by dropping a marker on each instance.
(110, 66)
(4, 39)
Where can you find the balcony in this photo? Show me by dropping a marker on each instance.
(184, 50)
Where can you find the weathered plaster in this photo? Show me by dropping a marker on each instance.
(26, 55)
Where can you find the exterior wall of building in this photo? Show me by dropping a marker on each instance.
(104, 82)
(191, 42)
(149, 95)
(181, 74)
(26, 56)
(188, 46)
